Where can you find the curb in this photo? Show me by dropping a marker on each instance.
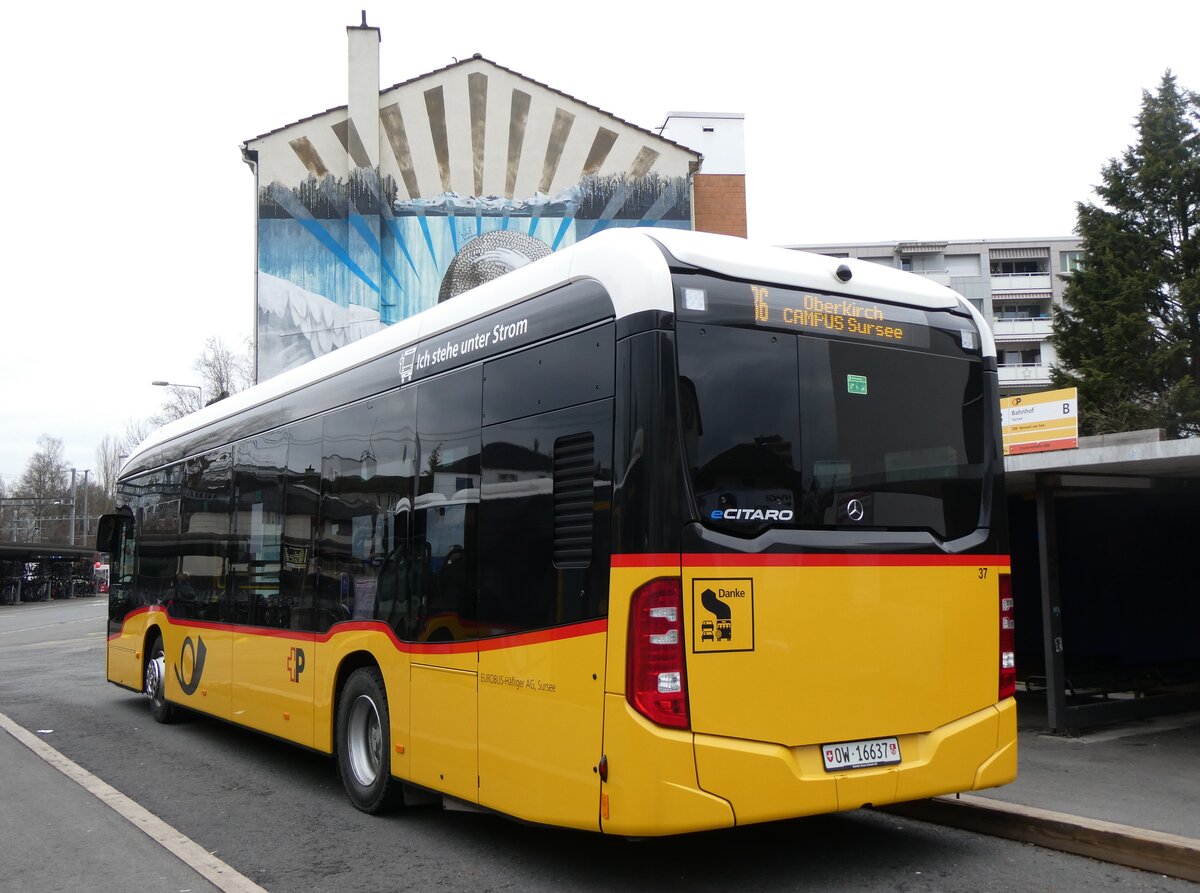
(1167, 854)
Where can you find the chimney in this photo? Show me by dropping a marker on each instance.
(363, 95)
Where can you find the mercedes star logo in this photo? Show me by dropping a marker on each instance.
(855, 510)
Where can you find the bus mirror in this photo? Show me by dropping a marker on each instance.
(108, 532)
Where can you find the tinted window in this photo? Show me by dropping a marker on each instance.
(144, 568)
(445, 517)
(544, 519)
(302, 496)
(740, 417)
(394, 443)
(896, 435)
(799, 430)
(369, 455)
(565, 372)
(201, 584)
(255, 561)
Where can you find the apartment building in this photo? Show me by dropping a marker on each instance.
(1013, 282)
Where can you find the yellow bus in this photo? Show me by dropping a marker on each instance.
(665, 532)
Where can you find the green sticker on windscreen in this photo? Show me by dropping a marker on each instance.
(856, 384)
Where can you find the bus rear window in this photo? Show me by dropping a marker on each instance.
(797, 430)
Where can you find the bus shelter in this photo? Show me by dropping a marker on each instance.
(1106, 594)
(42, 571)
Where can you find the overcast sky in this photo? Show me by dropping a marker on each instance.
(131, 215)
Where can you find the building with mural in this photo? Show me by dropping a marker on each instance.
(376, 210)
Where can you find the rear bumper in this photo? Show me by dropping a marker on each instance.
(765, 782)
(663, 781)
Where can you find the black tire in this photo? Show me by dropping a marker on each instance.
(154, 682)
(364, 743)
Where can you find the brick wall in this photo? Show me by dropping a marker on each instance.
(719, 203)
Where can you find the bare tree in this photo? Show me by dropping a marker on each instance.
(7, 512)
(137, 430)
(108, 464)
(182, 401)
(223, 372)
(45, 481)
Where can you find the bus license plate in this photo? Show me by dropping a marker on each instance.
(860, 754)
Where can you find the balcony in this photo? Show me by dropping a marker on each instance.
(1034, 329)
(941, 277)
(1021, 282)
(1024, 375)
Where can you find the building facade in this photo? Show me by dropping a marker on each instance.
(379, 209)
(1014, 283)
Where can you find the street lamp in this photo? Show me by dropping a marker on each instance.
(86, 472)
(171, 384)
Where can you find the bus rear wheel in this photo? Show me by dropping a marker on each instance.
(363, 743)
(156, 670)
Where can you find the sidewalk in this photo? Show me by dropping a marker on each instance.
(53, 806)
(1143, 773)
(45, 811)
(1128, 793)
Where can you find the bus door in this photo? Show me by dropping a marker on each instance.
(544, 545)
(443, 709)
(115, 536)
(444, 669)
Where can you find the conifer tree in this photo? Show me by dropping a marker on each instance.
(1129, 334)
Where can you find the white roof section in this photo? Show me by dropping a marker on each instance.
(718, 136)
(632, 269)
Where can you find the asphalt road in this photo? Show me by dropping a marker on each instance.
(278, 814)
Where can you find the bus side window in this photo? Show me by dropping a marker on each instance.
(204, 532)
(302, 490)
(446, 507)
(255, 548)
(544, 519)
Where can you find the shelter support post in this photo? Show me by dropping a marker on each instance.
(1056, 692)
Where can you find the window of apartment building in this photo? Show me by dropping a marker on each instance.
(1031, 356)
(1070, 261)
(1022, 311)
(1019, 267)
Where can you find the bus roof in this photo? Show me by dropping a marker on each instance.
(630, 265)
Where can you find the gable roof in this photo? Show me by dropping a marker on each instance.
(477, 57)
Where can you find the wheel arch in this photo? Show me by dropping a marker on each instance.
(350, 662)
(153, 631)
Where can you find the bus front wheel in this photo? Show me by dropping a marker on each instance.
(364, 747)
(156, 669)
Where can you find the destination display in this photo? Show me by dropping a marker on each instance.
(833, 315)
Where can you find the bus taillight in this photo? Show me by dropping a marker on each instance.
(655, 681)
(1008, 664)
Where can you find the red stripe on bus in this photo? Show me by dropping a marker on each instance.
(648, 559)
(807, 559)
(554, 634)
(465, 646)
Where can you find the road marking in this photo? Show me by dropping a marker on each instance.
(53, 642)
(25, 629)
(193, 855)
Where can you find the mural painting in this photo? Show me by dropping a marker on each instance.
(476, 171)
